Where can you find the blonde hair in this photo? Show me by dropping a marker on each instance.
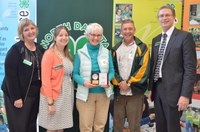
(23, 23)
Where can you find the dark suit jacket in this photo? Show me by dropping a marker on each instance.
(179, 66)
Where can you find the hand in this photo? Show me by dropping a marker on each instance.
(182, 124)
(89, 85)
(149, 95)
(183, 103)
(18, 103)
(152, 116)
(106, 86)
(123, 85)
(52, 109)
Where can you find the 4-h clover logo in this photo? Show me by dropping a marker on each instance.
(24, 4)
(172, 5)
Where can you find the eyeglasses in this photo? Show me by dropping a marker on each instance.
(96, 35)
(165, 15)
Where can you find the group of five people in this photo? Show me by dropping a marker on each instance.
(43, 83)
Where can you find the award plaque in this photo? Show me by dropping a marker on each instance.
(95, 78)
(99, 78)
(103, 79)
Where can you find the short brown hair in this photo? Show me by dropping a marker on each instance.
(127, 21)
(168, 7)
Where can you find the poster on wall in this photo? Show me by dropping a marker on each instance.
(191, 23)
(144, 14)
(11, 13)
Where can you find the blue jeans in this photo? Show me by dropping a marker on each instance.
(188, 127)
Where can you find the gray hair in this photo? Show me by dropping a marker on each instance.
(91, 28)
(22, 24)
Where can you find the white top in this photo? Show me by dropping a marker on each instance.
(125, 57)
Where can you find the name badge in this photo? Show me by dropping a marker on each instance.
(130, 56)
(58, 67)
(27, 62)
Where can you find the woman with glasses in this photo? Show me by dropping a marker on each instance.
(92, 97)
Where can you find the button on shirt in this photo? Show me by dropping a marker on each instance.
(169, 33)
(125, 57)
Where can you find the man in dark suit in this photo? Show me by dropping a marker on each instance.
(172, 75)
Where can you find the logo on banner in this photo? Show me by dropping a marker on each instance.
(74, 45)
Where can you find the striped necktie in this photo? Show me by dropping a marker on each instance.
(160, 57)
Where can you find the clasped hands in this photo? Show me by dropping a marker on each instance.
(123, 85)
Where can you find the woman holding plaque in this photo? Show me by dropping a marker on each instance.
(22, 82)
(93, 70)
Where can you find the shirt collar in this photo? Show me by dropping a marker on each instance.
(132, 43)
(169, 32)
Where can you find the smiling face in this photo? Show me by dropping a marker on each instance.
(119, 12)
(95, 37)
(94, 33)
(62, 38)
(29, 33)
(128, 31)
(166, 18)
(127, 8)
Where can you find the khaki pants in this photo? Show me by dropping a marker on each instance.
(130, 107)
(93, 113)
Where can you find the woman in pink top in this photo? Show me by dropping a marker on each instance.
(56, 98)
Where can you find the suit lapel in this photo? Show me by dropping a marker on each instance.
(170, 43)
(156, 48)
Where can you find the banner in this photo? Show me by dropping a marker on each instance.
(75, 17)
(11, 13)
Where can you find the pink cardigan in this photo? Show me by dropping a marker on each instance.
(52, 74)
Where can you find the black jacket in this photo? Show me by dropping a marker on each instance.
(18, 74)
